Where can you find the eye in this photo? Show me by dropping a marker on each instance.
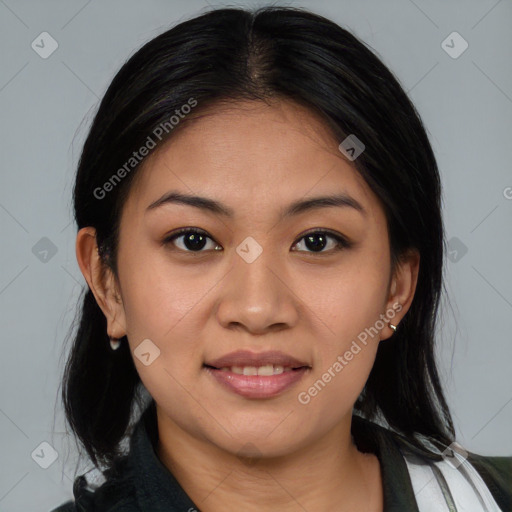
(317, 240)
(194, 240)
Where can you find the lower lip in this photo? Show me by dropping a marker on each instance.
(257, 386)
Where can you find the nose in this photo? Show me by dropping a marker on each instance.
(257, 297)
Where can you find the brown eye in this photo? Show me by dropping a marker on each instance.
(194, 240)
(316, 241)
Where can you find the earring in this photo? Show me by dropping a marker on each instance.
(393, 327)
(114, 343)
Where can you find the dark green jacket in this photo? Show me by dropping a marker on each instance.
(142, 483)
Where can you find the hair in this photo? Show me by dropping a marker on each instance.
(231, 54)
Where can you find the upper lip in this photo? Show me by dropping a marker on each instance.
(247, 358)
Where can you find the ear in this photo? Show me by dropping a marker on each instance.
(101, 281)
(402, 288)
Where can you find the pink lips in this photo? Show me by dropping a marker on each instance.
(247, 358)
(257, 386)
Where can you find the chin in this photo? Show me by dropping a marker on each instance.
(260, 445)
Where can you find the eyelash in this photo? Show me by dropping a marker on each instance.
(341, 242)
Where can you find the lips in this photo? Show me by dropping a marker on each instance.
(257, 375)
(245, 358)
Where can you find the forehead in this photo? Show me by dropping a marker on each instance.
(251, 156)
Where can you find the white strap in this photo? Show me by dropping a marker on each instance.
(467, 491)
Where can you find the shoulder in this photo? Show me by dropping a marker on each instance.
(461, 474)
(114, 495)
(493, 466)
(496, 472)
(426, 464)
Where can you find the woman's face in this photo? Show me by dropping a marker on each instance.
(184, 304)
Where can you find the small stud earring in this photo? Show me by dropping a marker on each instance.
(114, 343)
(393, 327)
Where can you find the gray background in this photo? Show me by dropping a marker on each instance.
(47, 105)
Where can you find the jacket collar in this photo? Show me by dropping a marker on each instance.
(396, 482)
(156, 488)
(159, 491)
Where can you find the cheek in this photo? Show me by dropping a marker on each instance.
(162, 305)
(347, 306)
(158, 296)
(347, 301)
(332, 394)
(340, 374)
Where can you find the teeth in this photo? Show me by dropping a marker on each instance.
(266, 370)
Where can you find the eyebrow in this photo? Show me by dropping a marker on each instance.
(295, 208)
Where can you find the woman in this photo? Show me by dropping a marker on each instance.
(259, 216)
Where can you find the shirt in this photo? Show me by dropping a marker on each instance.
(141, 483)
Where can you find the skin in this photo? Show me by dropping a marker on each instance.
(255, 159)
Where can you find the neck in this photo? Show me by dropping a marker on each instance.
(330, 474)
